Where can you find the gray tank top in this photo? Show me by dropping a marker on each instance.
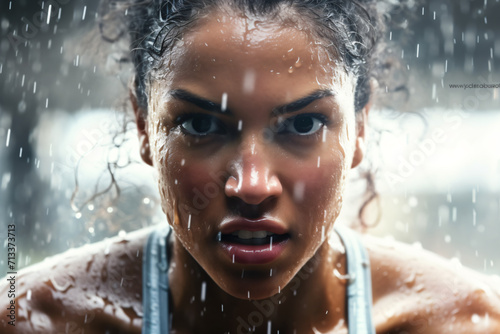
(155, 288)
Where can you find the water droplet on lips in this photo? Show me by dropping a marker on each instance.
(475, 318)
(290, 70)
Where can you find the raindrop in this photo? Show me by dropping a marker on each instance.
(248, 294)
(390, 35)
(90, 207)
(91, 230)
(474, 217)
(183, 161)
(268, 327)
(49, 12)
(189, 222)
(146, 200)
(240, 125)
(298, 191)
(454, 214)
(109, 209)
(222, 307)
(249, 81)
(28, 294)
(233, 258)
(224, 102)
(319, 158)
(475, 318)
(203, 291)
(7, 141)
(122, 233)
(434, 15)
(423, 10)
(474, 195)
(219, 236)
(446, 66)
(447, 239)
(20, 152)
(84, 12)
(271, 272)
(271, 243)
(34, 87)
(78, 215)
(242, 273)
(418, 49)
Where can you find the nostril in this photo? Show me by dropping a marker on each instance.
(238, 207)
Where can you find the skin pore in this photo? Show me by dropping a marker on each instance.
(255, 117)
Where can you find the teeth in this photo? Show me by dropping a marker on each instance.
(243, 234)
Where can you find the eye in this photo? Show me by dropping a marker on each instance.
(200, 125)
(303, 125)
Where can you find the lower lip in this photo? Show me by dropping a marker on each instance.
(253, 254)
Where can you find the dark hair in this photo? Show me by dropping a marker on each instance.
(155, 25)
(352, 29)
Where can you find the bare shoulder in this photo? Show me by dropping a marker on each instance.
(416, 291)
(94, 289)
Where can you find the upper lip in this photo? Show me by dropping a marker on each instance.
(261, 224)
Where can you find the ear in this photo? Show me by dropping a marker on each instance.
(142, 129)
(361, 124)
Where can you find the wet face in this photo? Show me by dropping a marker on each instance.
(252, 131)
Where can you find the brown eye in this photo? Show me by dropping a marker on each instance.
(303, 125)
(201, 125)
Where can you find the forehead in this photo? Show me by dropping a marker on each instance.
(240, 44)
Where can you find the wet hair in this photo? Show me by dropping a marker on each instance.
(352, 32)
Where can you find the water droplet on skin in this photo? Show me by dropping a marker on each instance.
(249, 81)
(290, 70)
(475, 318)
(298, 191)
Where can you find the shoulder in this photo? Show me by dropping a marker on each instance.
(96, 288)
(416, 291)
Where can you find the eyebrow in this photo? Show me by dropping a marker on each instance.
(208, 105)
(302, 102)
(198, 101)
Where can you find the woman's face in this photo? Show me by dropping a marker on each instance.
(251, 128)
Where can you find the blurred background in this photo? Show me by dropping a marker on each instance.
(63, 129)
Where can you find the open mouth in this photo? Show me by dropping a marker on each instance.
(256, 238)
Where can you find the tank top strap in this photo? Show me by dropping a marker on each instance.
(155, 288)
(359, 289)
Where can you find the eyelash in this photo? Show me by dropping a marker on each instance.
(180, 120)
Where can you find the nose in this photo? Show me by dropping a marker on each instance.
(253, 179)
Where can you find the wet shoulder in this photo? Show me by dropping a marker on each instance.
(416, 291)
(96, 289)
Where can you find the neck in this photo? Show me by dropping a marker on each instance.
(313, 300)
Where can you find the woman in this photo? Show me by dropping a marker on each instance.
(252, 113)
